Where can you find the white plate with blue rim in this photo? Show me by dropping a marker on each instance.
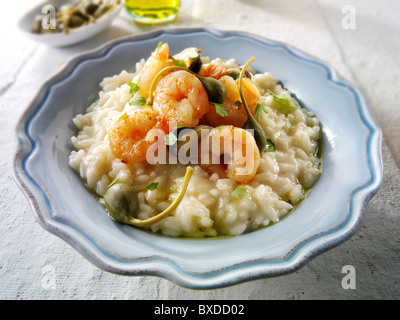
(352, 168)
(46, 12)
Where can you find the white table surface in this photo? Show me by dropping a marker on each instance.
(367, 56)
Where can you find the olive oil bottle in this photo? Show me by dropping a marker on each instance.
(152, 11)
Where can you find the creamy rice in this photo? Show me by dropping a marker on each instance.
(209, 207)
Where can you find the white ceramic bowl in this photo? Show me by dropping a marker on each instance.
(74, 36)
(333, 211)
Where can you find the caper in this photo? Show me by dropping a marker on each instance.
(215, 89)
(37, 25)
(75, 21)
(91, 8)
(195, 65)
(259, 134)
(121, 202)
(262, 141)
(101, 11)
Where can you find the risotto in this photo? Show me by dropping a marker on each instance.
(251, 185)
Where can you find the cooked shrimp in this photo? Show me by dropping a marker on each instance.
(180, 97)
(251, 93)
(232, 90)
(152, 66)
(212, 69)
(131, 135)
(236, 113)
(239, 150)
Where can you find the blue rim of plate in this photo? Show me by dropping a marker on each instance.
(160, 266)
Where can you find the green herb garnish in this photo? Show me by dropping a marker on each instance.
(220, 109)
(116, 180)
(170, 139)
(134, 88)
(179, 63)
(269, 147)
(159, 45)
(282, 104)
(179, 127)
(137, 101)
(259, 110)
(240, 191)
(152, 186)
